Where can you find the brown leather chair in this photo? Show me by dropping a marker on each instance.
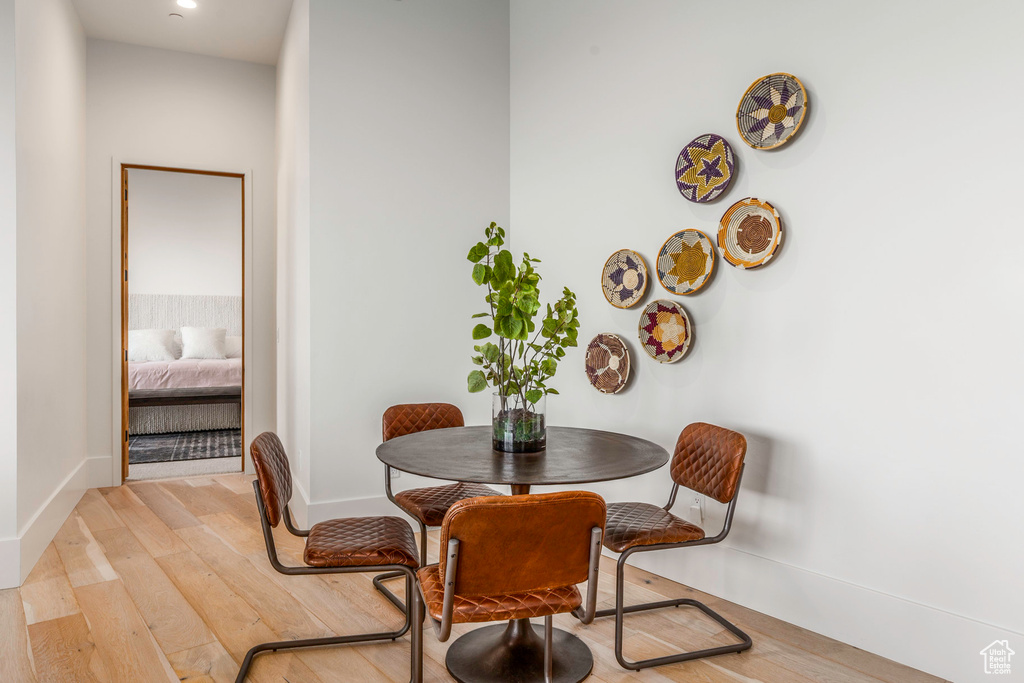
(516, 557)
(337, 546)
(426, 505)
(707, 460)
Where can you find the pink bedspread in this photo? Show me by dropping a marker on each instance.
(185, 373)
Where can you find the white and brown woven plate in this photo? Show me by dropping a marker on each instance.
(750, 233)
(607, 363)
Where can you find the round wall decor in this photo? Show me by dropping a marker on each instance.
(607, 363)
(685, 262)
(704, 168)
(771, 111)
(750, 233)
(624, 278)
(665, 331)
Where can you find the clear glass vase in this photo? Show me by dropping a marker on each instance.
(518, 426)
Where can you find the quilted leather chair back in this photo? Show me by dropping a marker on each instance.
(273, 473)
(708, 460)
(519, 544)
(408, 418)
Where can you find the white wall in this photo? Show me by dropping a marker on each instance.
(184, 233)
(10, 572)
(875, 367)
(408, 163)
(293, 247)
(174, 109)
(51, 319)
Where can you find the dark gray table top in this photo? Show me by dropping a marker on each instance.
(573, 456)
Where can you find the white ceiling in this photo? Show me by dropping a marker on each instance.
(250, 30)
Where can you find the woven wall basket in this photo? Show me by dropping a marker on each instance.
(771, 111)
(624, 278)
(607, 363)
(685, 262)
(750, 233)
(705, 168)
(665, 331)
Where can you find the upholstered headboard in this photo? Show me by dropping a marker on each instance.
(173, 311)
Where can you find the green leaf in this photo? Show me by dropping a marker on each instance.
(479, 273)
(534, 395)
(479, 315)
(481, 331)
(478, 252)
(504, 267)
(490, 352)
(476, 381)
(552, 391)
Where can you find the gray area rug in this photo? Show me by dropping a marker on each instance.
(221, 443)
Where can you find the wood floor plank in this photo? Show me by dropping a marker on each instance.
(239, 483)
(81, 554)
(63, 650)
(165, 506)
(173, 622)
(237, 625)
(97, 513)
(209, 663)
(46, 593)
(154, 535)
(275, 605)
(120, 497)
(15, 660)
(128, 648)
(196, 499)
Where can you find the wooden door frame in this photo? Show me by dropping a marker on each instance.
(120, 180)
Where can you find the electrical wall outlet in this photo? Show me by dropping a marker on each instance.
(395, 474)
(697, 511)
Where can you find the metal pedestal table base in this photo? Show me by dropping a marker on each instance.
(514, 653)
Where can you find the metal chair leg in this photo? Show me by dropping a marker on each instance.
(548, 635)
(380, 578)
(413, 621)
(621, 610)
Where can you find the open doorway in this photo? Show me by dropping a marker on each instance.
(182, 322)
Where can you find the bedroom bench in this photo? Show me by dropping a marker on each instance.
(140, 398)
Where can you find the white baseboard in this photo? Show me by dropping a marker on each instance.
(932, 640)
(352, 507)
(47, 520)
(10, 563)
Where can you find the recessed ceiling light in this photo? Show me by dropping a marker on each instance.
(188, 4)
(175, 14)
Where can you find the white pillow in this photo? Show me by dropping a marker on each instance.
(233, 347)
(202, 342)
(147, 345)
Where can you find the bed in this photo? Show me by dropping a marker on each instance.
(186, 394)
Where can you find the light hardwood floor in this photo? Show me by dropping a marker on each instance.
(165, 581)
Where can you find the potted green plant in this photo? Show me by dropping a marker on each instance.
(527, 353)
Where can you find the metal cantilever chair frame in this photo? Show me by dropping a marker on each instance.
(380, 578)
(443, 628)
(413, 618)
(620, 610)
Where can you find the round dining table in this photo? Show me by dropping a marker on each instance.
(515, 652)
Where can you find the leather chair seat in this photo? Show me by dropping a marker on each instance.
(633, 524)
(361, 541)
(469, 609)
(429, 504)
